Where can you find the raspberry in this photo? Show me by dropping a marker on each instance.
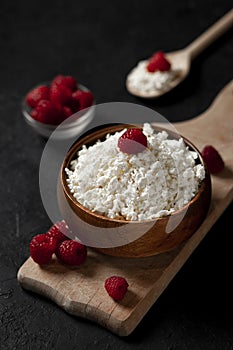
(158, 62)
(133, 141)
(67, 111)
(34, 114)
(116, 287)
(60, 94)
(213, 159)
(84, 98)
(71, 252)
(67, 81)
(46, 112)
(36, 95)
(55, 103)
(60, 231)
(42, 248)
(74, 105)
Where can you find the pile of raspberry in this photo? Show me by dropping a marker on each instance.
(54, 103)
(56, 242)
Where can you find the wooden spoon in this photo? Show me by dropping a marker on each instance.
(181, 59)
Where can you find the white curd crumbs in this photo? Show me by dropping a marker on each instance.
(141, 79)
(153, 183)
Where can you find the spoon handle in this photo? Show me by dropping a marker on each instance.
(210, 35)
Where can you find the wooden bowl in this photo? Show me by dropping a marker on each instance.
(156, 238)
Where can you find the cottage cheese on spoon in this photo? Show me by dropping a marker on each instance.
(153, 75)
(142, 80)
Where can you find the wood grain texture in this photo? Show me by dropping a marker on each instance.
(80, 290)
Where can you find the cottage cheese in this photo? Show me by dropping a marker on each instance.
(146, 82)
(153, 183)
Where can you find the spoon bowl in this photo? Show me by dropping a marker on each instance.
(180, 61)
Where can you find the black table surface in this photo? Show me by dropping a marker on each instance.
(99, 42)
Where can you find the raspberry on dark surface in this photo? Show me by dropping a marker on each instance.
(72, 253)
(133, 141)
(213, 159)
(42, 248)
(116, 287)
(158, 62)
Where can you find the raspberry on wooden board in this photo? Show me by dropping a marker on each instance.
(116, 287)
(59, 231)
(42, 248)
(213, 159)
(72, 253)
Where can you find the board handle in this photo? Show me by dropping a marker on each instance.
(221, 109)
(215, 125)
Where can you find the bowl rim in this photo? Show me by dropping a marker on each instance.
(51, 127)
(78, 144)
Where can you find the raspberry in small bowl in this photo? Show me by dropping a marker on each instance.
(61, 102)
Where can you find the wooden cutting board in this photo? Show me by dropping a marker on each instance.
(80, 291)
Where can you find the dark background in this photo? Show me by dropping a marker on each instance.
(99, 42)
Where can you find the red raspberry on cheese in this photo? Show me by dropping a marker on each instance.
(133, 141)
(158, 62)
